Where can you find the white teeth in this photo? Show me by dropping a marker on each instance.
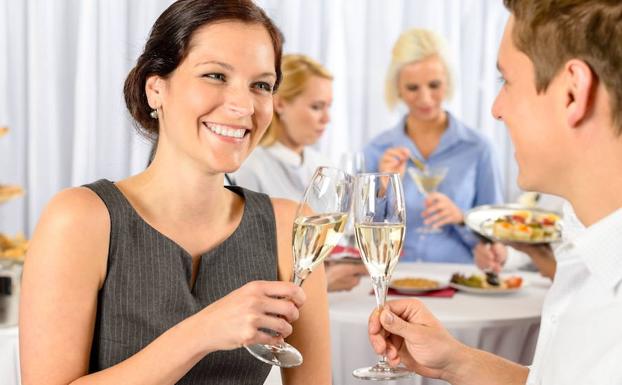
(225, 131)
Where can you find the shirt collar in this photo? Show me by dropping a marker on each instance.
(599, 246)
(456, 133)
(285, 154)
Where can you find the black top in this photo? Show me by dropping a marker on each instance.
(147, 291)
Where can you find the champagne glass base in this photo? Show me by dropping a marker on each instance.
(380, 372)
(285, 355)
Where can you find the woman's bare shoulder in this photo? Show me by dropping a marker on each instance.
(76, 206)
(73, 230)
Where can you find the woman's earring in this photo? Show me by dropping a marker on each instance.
(154, 114)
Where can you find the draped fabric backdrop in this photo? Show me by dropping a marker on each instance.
(63, 63)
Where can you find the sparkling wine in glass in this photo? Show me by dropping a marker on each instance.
(427, 181)
(319, 224)
(380, 225)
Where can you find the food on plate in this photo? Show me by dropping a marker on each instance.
(513, 282)
(525, 226)
(7, 192)
(415, 283)
(13, 248)
(479, 281)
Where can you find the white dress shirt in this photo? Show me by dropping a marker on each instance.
(580, 339)
(278, 171)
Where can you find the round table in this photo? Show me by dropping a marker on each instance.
(506, 324)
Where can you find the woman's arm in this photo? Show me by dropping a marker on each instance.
(311, 331)
(65, 268)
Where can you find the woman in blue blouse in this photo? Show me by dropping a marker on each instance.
(419, 76)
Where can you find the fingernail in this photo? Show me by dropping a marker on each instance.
(387, 317)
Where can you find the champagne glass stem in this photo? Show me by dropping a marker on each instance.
(297, 280)
(381, 286)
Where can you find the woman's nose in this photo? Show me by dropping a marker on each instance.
(240, 102)
(325, 116)
(426, 96)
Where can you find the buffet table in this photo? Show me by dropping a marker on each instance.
(505, 324)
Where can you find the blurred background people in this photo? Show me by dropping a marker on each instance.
(419, 76)
(283, 163)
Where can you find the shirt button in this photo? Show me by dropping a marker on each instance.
(553, 319)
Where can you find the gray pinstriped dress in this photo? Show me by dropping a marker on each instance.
(146, 290)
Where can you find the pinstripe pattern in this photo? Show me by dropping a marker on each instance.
(146, 290)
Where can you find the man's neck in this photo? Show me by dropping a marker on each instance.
(595, 190)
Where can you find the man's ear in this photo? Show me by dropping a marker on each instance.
(154, 87)
(579, 90)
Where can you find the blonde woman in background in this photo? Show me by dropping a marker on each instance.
(284, 162)
(419, 76)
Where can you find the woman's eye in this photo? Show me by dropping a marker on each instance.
(412, 87)
(501, 80)
(215, 76)
(435, 84)
(317, 107)
(264, 86)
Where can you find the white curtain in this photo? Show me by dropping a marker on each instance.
(63, 63)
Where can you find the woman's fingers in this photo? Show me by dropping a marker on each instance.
(440, 211)
(285, 290)
(394, 160)
(280, 307)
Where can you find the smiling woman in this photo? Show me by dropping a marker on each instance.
(160, 286)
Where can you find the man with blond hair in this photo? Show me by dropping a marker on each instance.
(562, 104)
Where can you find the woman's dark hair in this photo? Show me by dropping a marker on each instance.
(169, 42)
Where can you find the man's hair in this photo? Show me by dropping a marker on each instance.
(551, 32)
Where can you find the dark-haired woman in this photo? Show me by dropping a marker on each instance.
(161, 278)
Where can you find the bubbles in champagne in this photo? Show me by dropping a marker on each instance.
(380, 245)
(314, 238)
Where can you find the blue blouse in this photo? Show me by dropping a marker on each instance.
(472, 180)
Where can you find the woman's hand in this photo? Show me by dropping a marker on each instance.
(344, 276)
(236, 319)
(489, 256)
(394, 159)
(541, 255)
(440, 211)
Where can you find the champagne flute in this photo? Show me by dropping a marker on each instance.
(319, 224)
(353, 163)
(427, 181)
(380, 225)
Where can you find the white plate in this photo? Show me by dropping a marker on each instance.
(480, 219)
(417, 290)
(485, 291)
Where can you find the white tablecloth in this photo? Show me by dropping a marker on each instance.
(503, 324)
(506, 325)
